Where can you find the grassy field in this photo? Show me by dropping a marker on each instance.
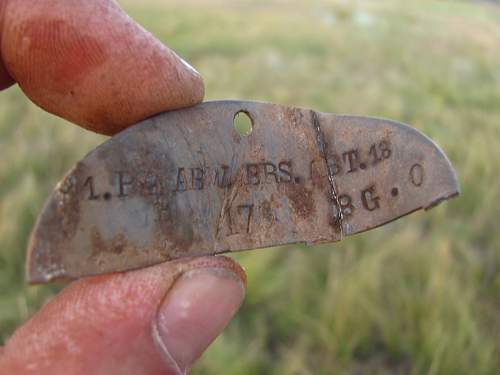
(418, 296)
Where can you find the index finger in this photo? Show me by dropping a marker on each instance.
(90, 63)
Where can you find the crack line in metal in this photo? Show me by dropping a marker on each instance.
(338, 215)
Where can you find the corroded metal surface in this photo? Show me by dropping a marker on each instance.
(186, 183)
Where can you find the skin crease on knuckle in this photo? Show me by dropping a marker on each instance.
(90, 63)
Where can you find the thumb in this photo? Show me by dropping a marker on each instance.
(151, 321)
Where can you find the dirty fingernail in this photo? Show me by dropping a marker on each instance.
(194, 312)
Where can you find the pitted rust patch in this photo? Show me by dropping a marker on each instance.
(301, 199)
(116, 245)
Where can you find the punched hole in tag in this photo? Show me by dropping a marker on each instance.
(243, 123)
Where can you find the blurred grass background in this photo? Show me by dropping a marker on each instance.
(418, 296)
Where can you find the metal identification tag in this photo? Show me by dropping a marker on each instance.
(186, 183)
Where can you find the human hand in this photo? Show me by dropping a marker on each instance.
(88, 62)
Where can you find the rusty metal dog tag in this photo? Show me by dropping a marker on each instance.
(186, 183)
